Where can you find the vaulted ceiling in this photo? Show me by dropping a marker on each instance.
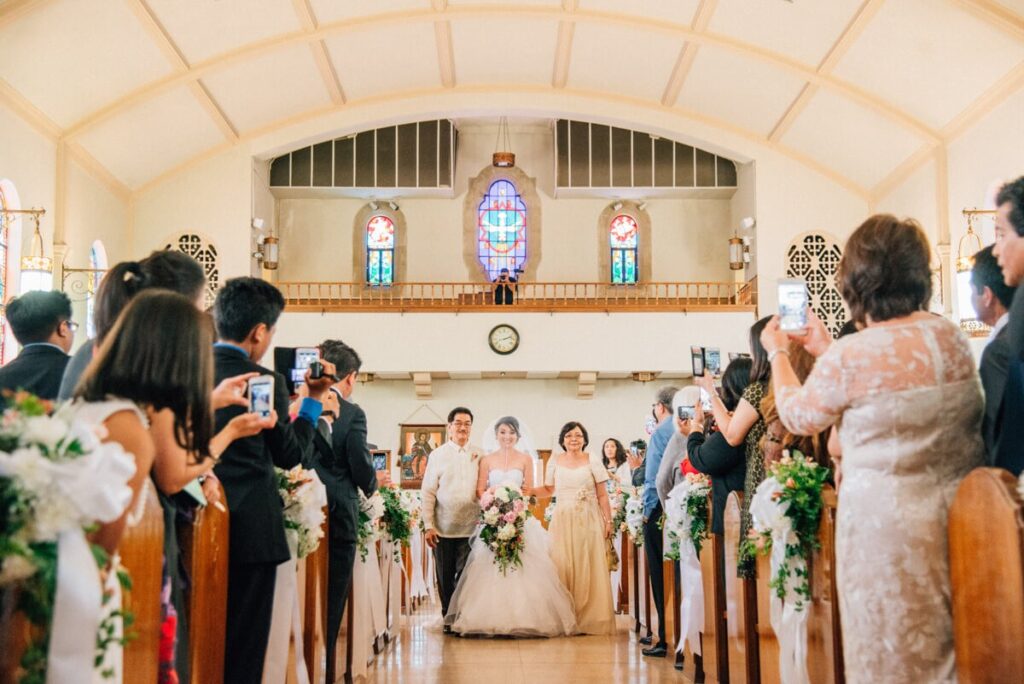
(860, 90)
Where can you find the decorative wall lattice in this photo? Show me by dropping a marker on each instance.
(815, 258)
(206, 254)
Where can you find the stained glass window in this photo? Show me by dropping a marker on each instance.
(380, 251)
(623, 238)
(501, 229)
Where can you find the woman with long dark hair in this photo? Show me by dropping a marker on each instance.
(614, 458)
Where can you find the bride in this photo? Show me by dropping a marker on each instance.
(528, 601)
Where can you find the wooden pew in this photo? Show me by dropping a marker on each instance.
(314, 614)
(741, 604)
(767, 643)
(15, 634)
(986, 552)
(824, 637)
(625, 561)
(671, 611)
(142, 553)
(204, 552)
(713, 645)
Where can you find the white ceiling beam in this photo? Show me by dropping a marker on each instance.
(28, 112)
(853, 31)
(534, 91)
(98, 171)
(12, 10)
(328, 74)
(995, 14)
(563, 54)
(886, 109)
(162, 39)
(687, 54)
(445, 53)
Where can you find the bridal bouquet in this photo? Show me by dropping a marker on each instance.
(57, 481)
(371, 510)
(686, 514)
(304, 497)
(786, 511)
(503, 515)
(396, 520)
(633, 515)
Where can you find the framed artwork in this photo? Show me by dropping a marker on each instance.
(381, 460)
(415, 445)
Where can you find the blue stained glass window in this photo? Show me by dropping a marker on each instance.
(380, 251)
(501, 229)
(623, 238)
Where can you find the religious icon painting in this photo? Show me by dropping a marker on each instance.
(415, 446)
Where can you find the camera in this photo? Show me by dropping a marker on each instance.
(316, 370)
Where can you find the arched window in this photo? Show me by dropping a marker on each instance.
(815, 257)
(624, 239)
(380, 250)
(501, 229)
(97, 266)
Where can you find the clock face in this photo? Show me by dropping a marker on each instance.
(504, 339)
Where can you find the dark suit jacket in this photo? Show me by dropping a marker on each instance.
(344, 465)
(1010, 445)
(37, 369)
(994, 367)
(246, 468)
(725, 465)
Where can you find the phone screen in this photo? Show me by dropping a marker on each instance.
(261, 396)
(685, 412)
(298, 376)
(304, 356)
(713, 360)
(697, 355)
(792, 305)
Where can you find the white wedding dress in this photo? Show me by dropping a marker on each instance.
(527, 602)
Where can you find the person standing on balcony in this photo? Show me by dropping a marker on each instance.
(504, 293)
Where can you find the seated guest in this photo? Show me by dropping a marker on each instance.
(991, 297)
(246, 313)
(166, 269)
(41, 322)
(345, 467)
(709, 451)
(1009, 250)
(908, 396)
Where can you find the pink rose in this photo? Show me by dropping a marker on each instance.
(509, 517)
(486, 500)
(519, 505)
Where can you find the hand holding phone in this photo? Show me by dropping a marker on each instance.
(697, 359)
(713, 361)
(793, 302)
(261, 395)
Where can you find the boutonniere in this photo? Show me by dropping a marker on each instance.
(475, 455)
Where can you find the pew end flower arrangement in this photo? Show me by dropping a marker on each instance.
(503, 514)
(686, 514)
(786, 511)
(371, 510)
(58, 483)
(632, 520)
(396, 519)
(304, 497)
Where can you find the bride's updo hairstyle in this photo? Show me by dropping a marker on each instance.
(567, 428)
(511, 422)
(885, 271)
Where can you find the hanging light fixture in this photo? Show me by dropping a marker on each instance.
(36, 268)
(970, 244)
(503, 157)
(736, 261)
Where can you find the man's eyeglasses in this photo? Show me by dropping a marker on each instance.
(462, 423)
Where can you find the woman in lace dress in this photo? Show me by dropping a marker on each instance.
(527, 601)
(910, 402)
(580, 527)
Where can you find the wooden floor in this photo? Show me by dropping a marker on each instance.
(424, 654)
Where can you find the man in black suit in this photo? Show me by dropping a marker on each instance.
(345, 467)
(246, 312)
(991, 298)
(41, 322)
(1009, 251)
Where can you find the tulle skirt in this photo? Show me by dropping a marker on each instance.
(579, 551)
(527, 602)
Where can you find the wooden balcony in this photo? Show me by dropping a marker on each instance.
(529, 297)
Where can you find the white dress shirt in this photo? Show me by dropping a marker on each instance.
(449, 490)
(1000, 324)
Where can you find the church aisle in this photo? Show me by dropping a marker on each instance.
(424, 655)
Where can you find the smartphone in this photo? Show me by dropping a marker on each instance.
(261, 395)
(705, 400)
(632, 449)
(793, 306)
(304, 356)
(298, 377)
(685, 412)
(697, 356)
(713, 361)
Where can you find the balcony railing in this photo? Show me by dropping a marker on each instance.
(535, 297)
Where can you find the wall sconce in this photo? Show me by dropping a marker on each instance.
(267, 253)
(36, 268)
(644, 376)
(739, 252)
(969, 245)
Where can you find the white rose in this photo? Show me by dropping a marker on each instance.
(47, 432)
(507, 531)
(502, 495)
(491, 516)
(15, 568)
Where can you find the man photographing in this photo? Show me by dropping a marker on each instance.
(504, 293)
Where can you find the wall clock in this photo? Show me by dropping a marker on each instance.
(504, 339)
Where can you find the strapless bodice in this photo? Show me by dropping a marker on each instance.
(498, 476)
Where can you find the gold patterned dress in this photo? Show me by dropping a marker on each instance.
(578, 543)
(910, 403)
